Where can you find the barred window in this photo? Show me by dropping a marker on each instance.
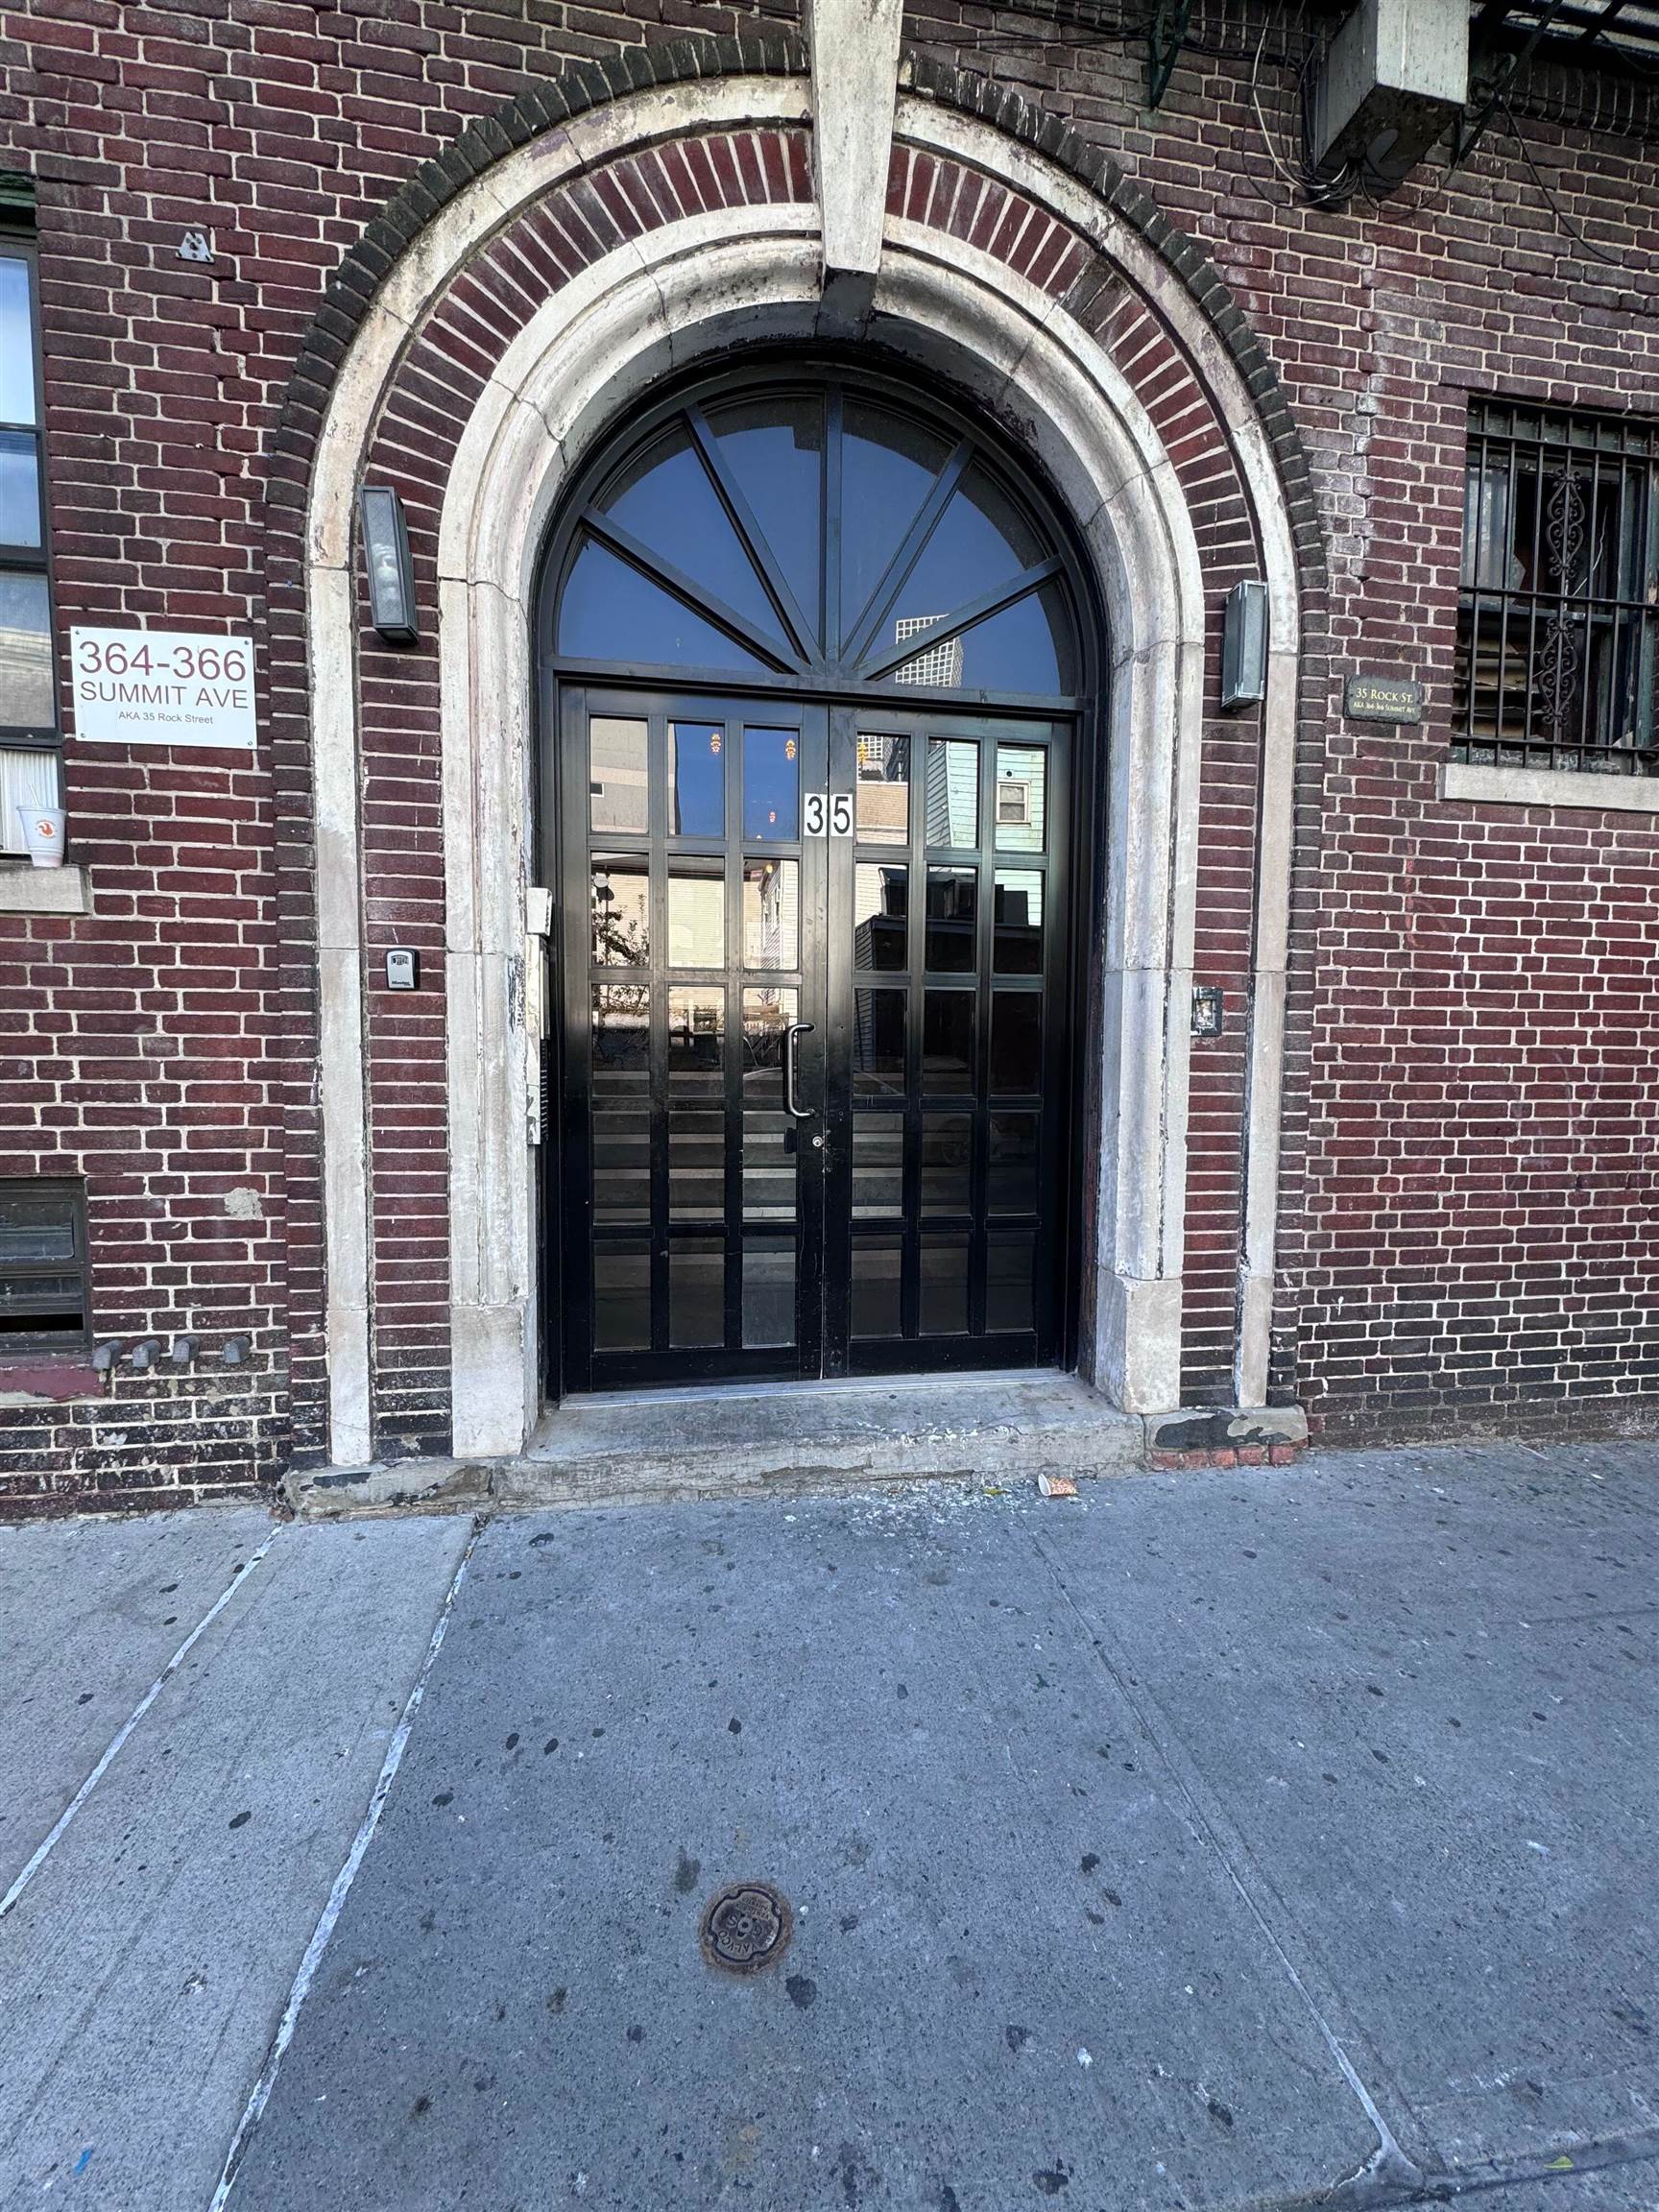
(1558, 614)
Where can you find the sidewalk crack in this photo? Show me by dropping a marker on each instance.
(1388, 2172)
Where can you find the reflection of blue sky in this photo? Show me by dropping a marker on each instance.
(968, 553)
(610, 613)
(696, 779)
(882, 487)
(775, 450)
(1015, 651)
(888, 469)
(675, 510)
(16, 342)
(771, 783)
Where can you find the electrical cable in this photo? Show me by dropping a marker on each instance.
(1562, 218)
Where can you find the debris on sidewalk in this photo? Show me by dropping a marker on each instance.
(1056, 1486)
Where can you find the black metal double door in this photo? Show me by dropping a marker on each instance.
(815, 1062)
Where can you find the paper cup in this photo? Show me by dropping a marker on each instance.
(43, 835)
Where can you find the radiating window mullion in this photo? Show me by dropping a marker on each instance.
(911, 546)
(960, 619)
(639, 555)
(752, 539)
(829, 545)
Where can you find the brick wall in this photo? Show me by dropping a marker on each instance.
(1468, 1228)
(1468, 1107)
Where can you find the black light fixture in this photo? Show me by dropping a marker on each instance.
(391, 572)
(1244, 645)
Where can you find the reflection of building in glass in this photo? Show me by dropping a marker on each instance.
(778, 923)
(878, 1039)
(883, 789)
(617, 784)
(938, 665)
(952, 792)
(880, 908)
(1021, 772)
(771, 913)
(1019, 922)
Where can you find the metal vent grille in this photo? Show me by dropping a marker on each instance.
(42, 1266)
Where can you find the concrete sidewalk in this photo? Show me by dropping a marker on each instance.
(1221, 1841)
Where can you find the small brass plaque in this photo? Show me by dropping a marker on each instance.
(1384, 699)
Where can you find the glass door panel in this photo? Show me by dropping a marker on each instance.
(816, 1070)
(692, 969)
(950, 1014)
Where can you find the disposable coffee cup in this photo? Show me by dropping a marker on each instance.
(43, 835)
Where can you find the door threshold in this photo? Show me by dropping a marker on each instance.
(993, 1433)
(746, 1438)
(789, 1386)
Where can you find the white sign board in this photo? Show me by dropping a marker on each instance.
(163, 687)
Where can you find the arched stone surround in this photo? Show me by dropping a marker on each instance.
(548, 292)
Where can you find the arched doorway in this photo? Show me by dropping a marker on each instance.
(818, 667)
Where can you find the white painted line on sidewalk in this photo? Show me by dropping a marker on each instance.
(343, 1881)
(46, 1848)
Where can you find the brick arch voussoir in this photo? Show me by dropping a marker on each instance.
(541, 107)
(1018, 118)
(487, 139)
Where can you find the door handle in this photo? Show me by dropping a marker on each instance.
(791, 1104)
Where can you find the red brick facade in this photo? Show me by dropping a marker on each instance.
(1467, 1209)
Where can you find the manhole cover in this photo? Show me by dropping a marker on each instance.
(745, 1927)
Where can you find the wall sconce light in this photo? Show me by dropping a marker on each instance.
(1245, 646)
(391, 572)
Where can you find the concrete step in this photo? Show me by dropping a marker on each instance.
(797, 1438)
(780, 1439)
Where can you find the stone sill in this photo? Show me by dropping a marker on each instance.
(30, 890)
(1549, 788)
(48, 1378)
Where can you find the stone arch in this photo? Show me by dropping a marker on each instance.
(1002, 305)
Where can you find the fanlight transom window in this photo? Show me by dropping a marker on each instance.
(819, 533)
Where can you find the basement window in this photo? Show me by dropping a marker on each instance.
(1558, 610)
(42, 1266)
(29, 757)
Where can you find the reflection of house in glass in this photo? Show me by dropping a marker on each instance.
(1018, 922)
(883, 789)
(1021, 784)
(951, 797)
(881, 908)
(771, 914)
(619, 778)
(878, 1039)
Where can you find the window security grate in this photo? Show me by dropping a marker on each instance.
(42, 1266)
(1558, 610)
